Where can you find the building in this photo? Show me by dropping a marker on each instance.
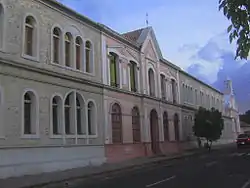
(76, 93)
(51, 89)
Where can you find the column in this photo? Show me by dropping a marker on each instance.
(104, 63)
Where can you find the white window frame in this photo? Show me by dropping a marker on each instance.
(60, 63)
(61, 121)
(95, 119)
(36, 118)
(92, 55)
(36, 41)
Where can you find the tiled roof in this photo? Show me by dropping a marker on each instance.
(133, 35)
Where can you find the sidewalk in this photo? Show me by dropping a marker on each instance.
(59, 178)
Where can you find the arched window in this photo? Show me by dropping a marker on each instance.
(29, 113)
(68, 50)
(91, 118)
(151, 81)
(30, 36)
(56, 45)
(78, 53)
(88, 56)
(116, 117)
(165, 126)
(176, 127)
(114, 69)
(136, 125)
(163, 87)
(174, 92)
(1, 25)
(69, 114)
(57, 115)
(133, 76)
(80, 115)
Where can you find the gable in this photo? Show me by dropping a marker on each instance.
(150, 51)
(151, 46)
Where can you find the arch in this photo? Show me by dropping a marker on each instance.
(79, 55)
(114, 69)
(154, 129)
(80, 114)
(68, 46)
(30, 113)
(136, 125)
(166, 126)
(116, 118)
(56, 114)
(92, 117)
(176, 127)
(151, 81)
(57, 45)
(89, 56)
(30, 36)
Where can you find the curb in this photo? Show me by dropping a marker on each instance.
(73, 181)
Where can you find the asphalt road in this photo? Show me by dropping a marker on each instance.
(220, 169)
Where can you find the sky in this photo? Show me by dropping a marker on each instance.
(191, 33)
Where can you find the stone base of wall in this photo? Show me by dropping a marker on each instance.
(121, 152)
(29, 161)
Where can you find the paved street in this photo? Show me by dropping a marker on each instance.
(228, 168)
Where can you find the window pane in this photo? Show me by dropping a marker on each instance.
(55, 119)
(113, 71)
(56, 50)
(90, 121)
(29, 40)
(67, 54)
(87, 51)
(132, 77)
(67, 120)
(78, 57)
(27, 117)
(79, 121)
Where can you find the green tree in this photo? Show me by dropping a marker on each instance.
(208, 124)
(238, 12)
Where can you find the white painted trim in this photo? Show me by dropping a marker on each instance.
(51, 116)
(37, 38)
(37, 134)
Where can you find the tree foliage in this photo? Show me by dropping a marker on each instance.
(238, 12)
(208, 124)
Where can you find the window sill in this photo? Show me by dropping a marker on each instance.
(56, 136)
(72, 69)
(30, 136)
(32, 58)
(93, 136)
